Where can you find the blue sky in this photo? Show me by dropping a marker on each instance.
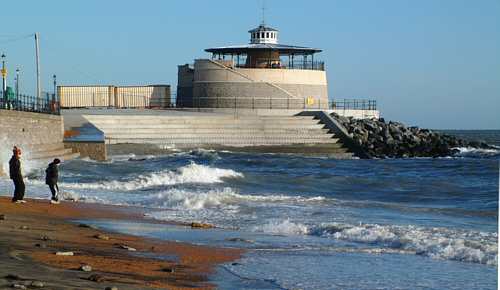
(431, 63)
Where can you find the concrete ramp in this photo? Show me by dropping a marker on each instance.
(284, 134)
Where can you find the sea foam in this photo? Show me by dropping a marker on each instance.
(192, 173)
(440, 243)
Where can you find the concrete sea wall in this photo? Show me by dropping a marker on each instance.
(30, 131)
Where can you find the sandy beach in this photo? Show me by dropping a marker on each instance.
(32, 234)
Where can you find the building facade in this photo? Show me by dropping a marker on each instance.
(153, 96)
(260, 75)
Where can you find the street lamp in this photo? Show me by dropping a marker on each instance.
(55, 88)
(17, 83)
(4, 76)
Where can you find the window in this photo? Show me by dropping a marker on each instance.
(267, 34)
(262, 35)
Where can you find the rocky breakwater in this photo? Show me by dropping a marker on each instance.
(381, 139)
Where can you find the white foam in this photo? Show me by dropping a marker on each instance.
(192, 173)
(475, 152)
(440, 243)
(282, 227)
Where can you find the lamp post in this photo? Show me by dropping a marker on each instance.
(54, 78)
(17, 83)
(4, 76)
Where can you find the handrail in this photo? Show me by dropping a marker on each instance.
(32, 104)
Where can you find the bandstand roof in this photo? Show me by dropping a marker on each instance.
(281, 48)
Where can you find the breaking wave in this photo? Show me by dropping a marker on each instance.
(439, 243)
(477, 152)
(192, 173)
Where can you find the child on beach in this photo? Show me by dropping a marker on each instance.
(17, 176)
(51, 177)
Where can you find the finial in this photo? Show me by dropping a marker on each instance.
(263, 13)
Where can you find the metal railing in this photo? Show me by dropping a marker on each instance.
(354, 104)
(304, 65)
(309, 103)
(31, 104)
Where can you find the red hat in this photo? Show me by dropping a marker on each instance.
(16, 150)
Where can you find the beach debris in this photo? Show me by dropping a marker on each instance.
(37, 284)
(65, 254)
(24, 228)
(111, 288)
(12, 277)
(41, 245)
(18, 286)
(168, 270)
(101, 237)
(96, 278)
(195, 225)
(125, 247)
(239, 240)
(86, 268)
(2, 217)
(235, 264)
(45, 238)
(87, 226)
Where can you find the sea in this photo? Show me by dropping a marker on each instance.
(310, 222)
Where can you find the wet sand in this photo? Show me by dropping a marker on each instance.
(32, 233)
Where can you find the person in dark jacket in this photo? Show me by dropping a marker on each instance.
(51, 177)
(17, 176)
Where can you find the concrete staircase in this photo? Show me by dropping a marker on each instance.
(292, 134)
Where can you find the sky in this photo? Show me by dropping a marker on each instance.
(429, 63)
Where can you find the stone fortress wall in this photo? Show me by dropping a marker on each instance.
(216, 84)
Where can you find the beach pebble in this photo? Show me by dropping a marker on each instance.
(168, 270)
(96, 278)
(87, 226)
(111, 288)
(65, 254)
(86, 268)
(239, 240)
(201, 226)
(12, 277)
(37, 284)
(41, 245)
(101, 237)
(18, 286)
(45, 238)
(24, 228)
(128, 248)
(2, 217)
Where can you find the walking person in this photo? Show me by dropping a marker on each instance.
(51, 178)
(17, 176)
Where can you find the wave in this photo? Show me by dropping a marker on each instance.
(439, 243)
(282, 227)
(192, 173)
(476, 152)
(194, 200)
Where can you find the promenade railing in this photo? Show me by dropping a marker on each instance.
(26, 103)
(354, 104)
(274, 103)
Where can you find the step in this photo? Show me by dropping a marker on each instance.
(105, 127)
(216, 135)
(220, 141)
(215, 131)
